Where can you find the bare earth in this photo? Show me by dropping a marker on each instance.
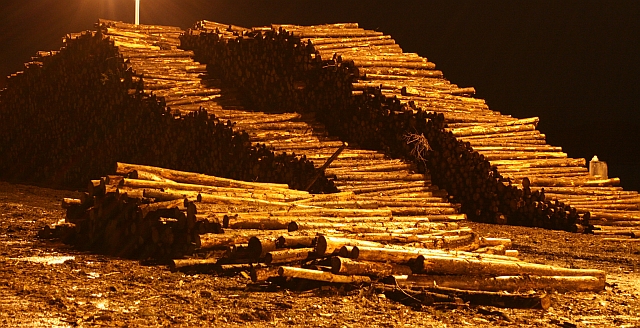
(48, 284)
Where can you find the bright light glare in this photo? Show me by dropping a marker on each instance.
(137, 12)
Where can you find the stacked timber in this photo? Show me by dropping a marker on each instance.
(146, 211)
(282, 237)
(71, 114)
(367, 91)
(352, 169)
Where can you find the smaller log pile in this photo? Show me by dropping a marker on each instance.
(281, 237)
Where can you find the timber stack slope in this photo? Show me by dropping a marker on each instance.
(185, 86)
(370, 93)
(73, 113)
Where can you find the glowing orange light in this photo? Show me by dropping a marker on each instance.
(137, 12)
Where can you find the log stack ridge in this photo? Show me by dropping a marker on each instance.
(370, 93)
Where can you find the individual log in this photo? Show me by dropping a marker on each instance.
(345, 266)
(573, 182)
(147, 208)
(488, 241)
(458, 266)
(291, 272)
(196, 178)
(288, 241)
(326, 245)
(289, 255)
(67, 203)
(404, 254)
(521, 301)
(207, 265)
(259, 246)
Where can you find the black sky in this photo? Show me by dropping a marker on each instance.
(575, 64)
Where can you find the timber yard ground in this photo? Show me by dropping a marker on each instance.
(48, 284)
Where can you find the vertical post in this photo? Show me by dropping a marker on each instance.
(137, 12)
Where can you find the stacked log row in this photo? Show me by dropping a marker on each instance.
(146, 211)
(152, 212)
(432, 262)
(71, 114)
(352, 169)
(371, 94)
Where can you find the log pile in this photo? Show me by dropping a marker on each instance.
(360, 171)
(208, 224)
(72, 114)
(370, 93)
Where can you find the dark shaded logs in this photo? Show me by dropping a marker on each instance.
(277, 70)
(73, 113)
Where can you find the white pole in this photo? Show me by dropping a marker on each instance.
(137, 12)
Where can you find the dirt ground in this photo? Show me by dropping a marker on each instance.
(48, 284)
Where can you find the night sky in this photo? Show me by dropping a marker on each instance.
(574, 64)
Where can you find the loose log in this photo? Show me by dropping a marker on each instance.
(260, 246)
(287, 241)
(573, 182)
(459, 266)
(290, 272)
(345, 266)
(70, 202)
(207, 265)
(486, 241)
(523, 301)
(289, 255)
(406, 254)
(196, 178)
(326, 245)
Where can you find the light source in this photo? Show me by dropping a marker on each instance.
(137, 12)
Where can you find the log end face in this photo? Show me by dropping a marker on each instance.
(321, 246)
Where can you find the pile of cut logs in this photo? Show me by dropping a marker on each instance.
(352, 169)
(366, 90)
(73, 113)
(283, 237)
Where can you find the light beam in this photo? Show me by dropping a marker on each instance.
(137, 12)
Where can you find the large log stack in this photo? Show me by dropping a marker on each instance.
(73, 113)
(362, 86)
(181, 82)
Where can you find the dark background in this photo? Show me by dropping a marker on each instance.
(575, 64)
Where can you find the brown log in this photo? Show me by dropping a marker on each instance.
(559, 182)
(196, 178)
(147, 208)
(326, 245)
(290, 272)
(261, 224)
(459, 266)
(549, 162)
(400, 71)
(345, 266)
(195, 265)
(213, 241)
(289, 255)
(287, 241)
(526, 301)
(170, 195)
(259, 246)
(487, 241)
(69, 202)
(404, 254)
